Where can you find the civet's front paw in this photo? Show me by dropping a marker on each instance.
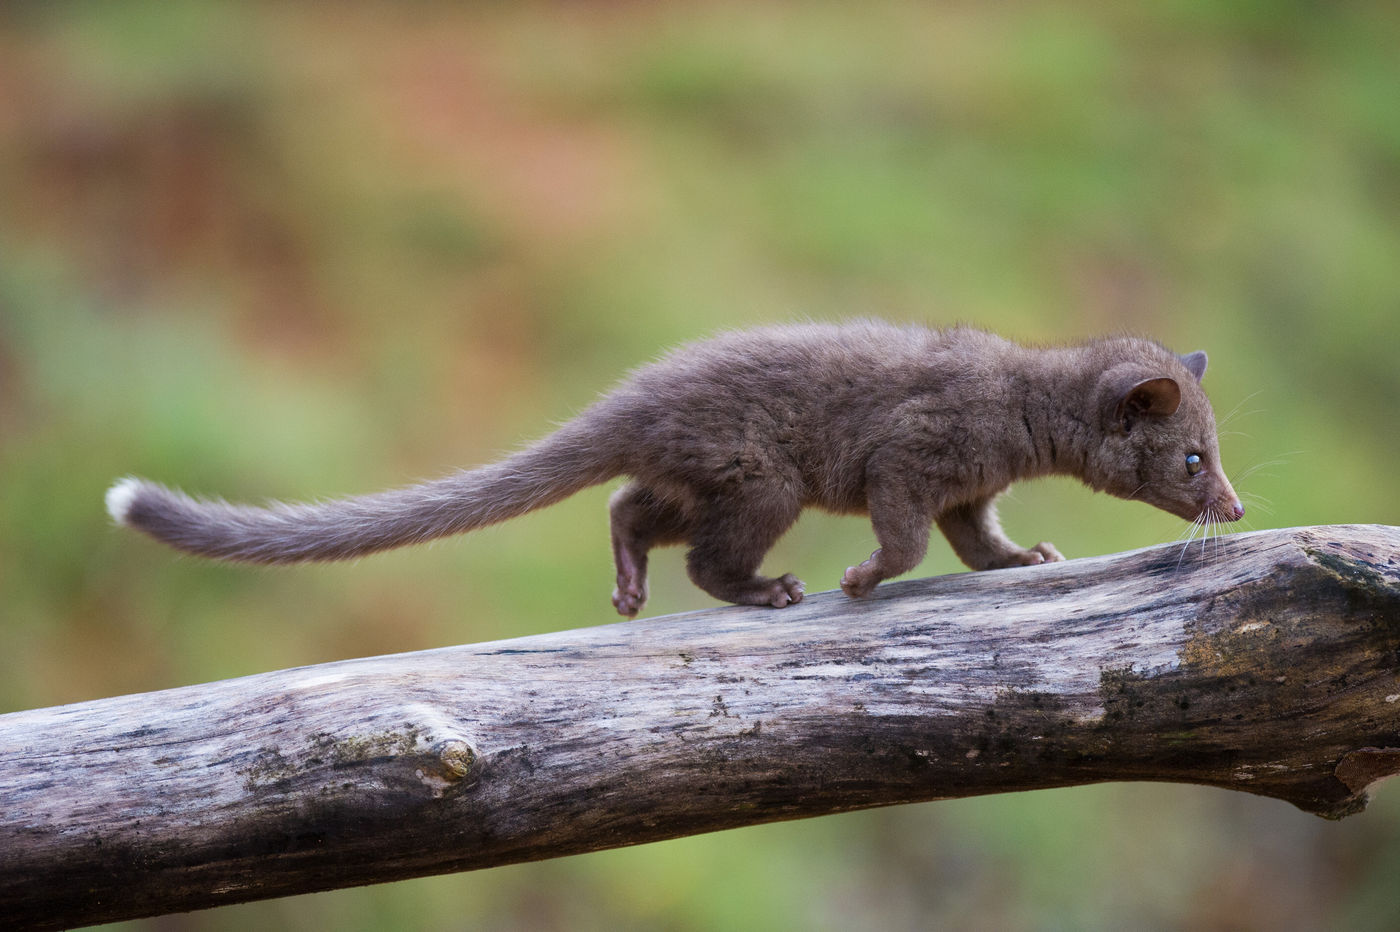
(1042, 552)
(629, 597)
(860, 581)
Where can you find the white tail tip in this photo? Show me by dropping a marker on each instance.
(120, 496)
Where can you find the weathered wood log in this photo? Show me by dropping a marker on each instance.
(1265, 662)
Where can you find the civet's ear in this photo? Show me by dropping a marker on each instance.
(1157, 397)
(1195, 363)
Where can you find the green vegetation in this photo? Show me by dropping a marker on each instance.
(284, 250)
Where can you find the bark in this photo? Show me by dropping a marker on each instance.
(1262, 662)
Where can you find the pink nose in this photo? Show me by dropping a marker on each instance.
(1227, 505)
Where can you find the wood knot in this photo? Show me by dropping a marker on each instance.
(444, 766)
(456, 758)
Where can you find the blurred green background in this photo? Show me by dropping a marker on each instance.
(272, 249)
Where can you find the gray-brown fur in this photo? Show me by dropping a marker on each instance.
(724, 442)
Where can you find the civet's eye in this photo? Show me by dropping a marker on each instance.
(1193, 464)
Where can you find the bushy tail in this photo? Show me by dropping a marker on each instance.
(566, 462)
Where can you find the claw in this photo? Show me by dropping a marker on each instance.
(787, 590)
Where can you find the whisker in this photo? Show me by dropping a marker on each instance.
(1184, 545)
(1255, 500)
(1258, 466)
(1242, 402)
(1190, 534)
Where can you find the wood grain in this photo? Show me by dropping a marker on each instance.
(1265, 662)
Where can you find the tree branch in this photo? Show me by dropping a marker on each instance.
(1262, 662)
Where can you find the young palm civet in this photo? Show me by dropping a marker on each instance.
(724, 442)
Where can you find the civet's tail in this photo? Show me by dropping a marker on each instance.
(548, 472)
